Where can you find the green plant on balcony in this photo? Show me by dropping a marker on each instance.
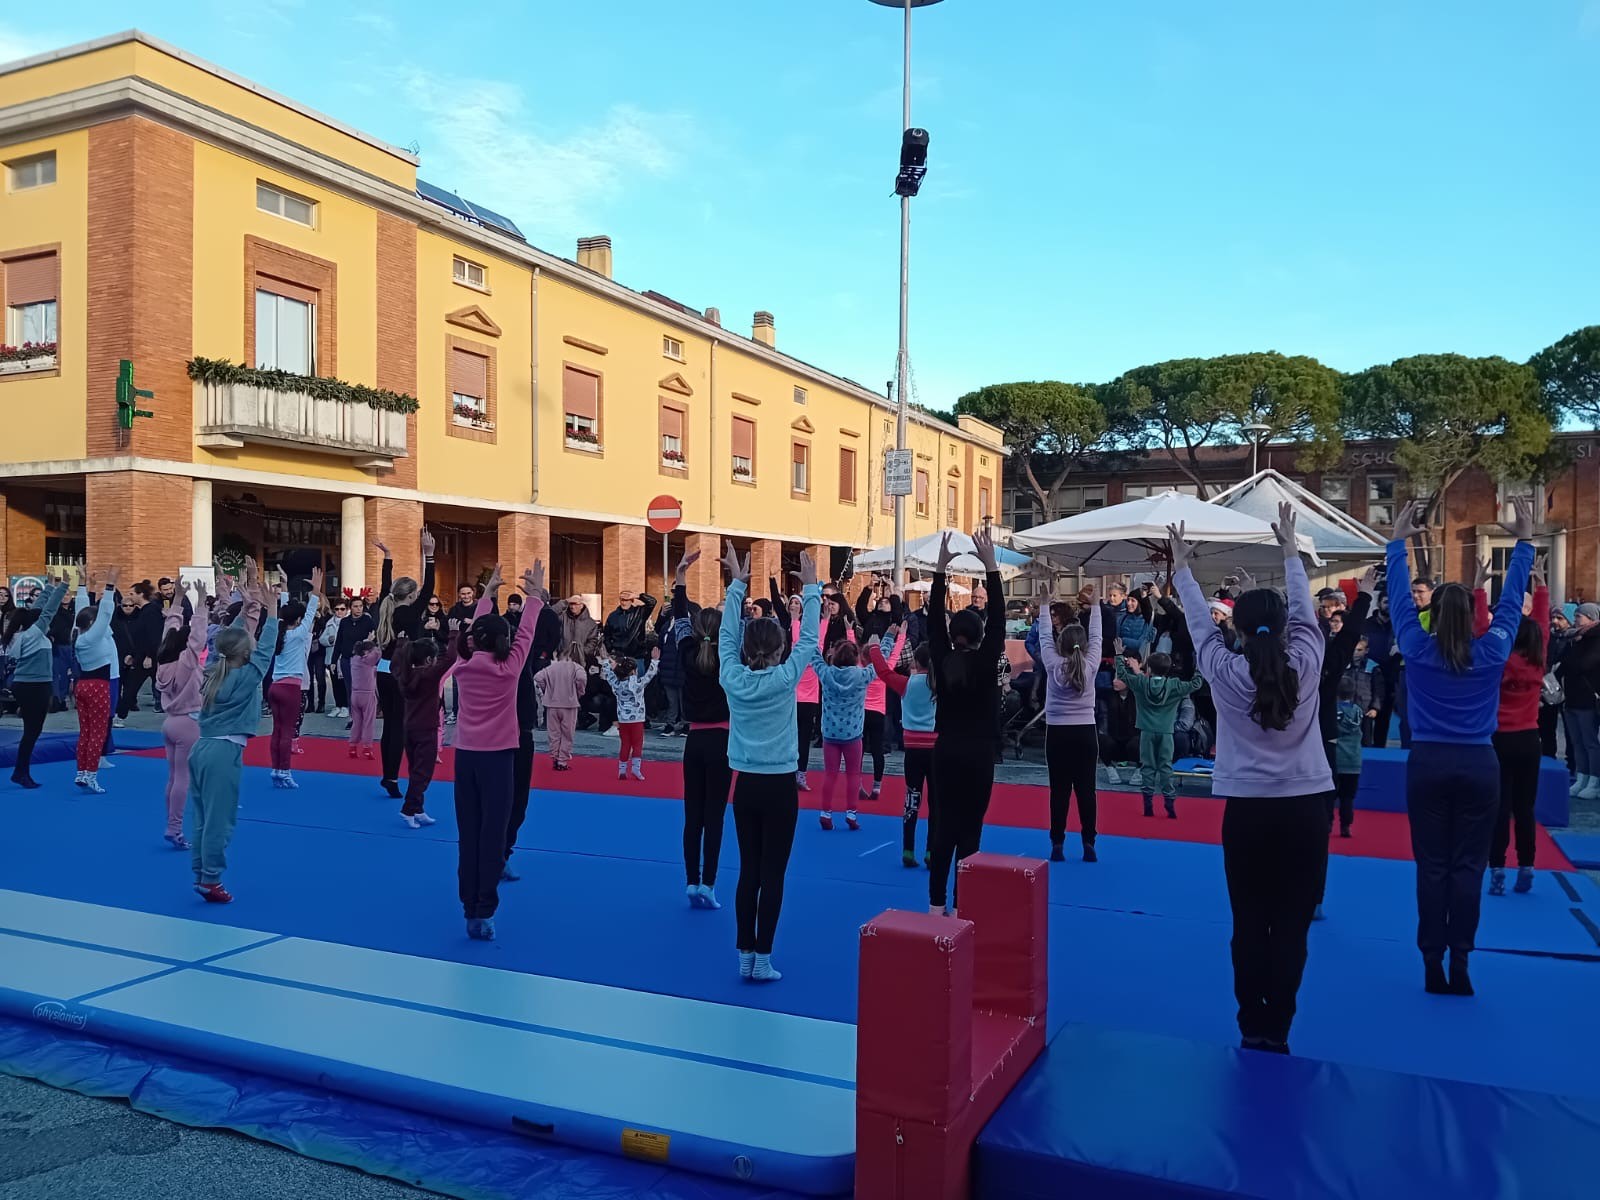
(219, 371)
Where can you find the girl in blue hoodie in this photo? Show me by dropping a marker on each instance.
(760, 686)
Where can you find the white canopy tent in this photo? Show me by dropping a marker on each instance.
(1132, 537)
(922, 554)
(1338, 536)
(923, 587)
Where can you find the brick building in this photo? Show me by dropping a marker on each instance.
(1367, 484)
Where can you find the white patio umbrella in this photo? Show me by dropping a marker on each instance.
(923, 554)
(1131, 537)
(923, 587)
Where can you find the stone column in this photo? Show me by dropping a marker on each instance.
(622, 564)
(1557, 582)
(202, 549)
(352, 544)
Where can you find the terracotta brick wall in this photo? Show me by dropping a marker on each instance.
(704, 583)
(399, 523)
(523, 537)
(141, 272)
(137, 521)
(22, 535)
(766, 563)
(622, 562)
(397, 330)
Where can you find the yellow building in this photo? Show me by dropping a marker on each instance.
(165, 212)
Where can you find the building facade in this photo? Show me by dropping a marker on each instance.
(340, 353)
(1369, 485)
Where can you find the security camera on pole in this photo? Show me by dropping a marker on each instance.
(913, 166)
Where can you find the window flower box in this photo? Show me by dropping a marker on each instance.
(472, 418)
(674, 460)
(30, 356)
(743, 474)
(582, 439)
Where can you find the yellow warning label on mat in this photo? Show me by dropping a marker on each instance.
(652, 1147)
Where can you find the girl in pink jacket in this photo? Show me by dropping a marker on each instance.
(179, 680)
(561, 687)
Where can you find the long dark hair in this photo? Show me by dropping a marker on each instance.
(1451, 625)
(923, 657)
(489, 633)
(1530, 642)
(172, 645)
(1260, 616)
(707, 626)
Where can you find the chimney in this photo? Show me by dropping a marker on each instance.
(714, 315)
(595, 253)
(765, 331)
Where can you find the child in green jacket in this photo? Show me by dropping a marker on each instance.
(1156, 695)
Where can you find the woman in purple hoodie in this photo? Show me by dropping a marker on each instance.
(1272, 768)
(1071, 657)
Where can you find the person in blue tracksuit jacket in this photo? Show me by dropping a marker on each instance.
(1453, 775)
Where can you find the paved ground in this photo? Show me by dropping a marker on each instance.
(58, 1145)
(61, 1146)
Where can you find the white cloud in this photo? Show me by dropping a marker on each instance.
(15, 45)
(482, 141)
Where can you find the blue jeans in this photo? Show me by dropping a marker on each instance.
(62, 661)
(1583, 737)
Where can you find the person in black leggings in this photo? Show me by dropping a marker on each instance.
(399, 616)
(964, 650)
(707, 776)
(28, 642)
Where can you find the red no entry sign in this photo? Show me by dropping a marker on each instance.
(664, 514)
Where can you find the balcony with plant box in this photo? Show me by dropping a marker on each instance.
(581, 434)
(470, 414)
(242, 405)
(28, 358)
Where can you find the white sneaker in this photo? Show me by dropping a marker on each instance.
(425, 819)
(622, 770)
(1592, 792)
(1579, 783)
(638, 770)
(119, 723)
(411, 822)
(106, 764)
(612, 732)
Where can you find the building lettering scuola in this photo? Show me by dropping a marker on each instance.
(340, 352)
(1368, 484)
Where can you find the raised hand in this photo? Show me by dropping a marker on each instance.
(427, 543)
(1409, 522)
(1369, 581)
(738, 572)
(270, 600)
(533, 578)
(1521, 525)
(945, 554)
(1177, 548)
(1480, 578)
(983, 543)
(1284, 528)
(1247, 581)
(379, 543)
(1117, 647)
(1536, 579)
(655, 654)
(684, 563)
(808, 569)
(316, 582)
(495, 582)
(252, 573)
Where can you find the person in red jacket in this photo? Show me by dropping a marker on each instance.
(1516, 739)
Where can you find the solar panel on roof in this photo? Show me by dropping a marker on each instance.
(468, 211)
(494, 220)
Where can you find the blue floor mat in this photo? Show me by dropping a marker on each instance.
(1086, 1120)
(1582, 848)
(63, 746)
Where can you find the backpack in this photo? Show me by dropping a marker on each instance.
(1550, 693)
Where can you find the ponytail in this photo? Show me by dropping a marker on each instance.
(234, 647)
(1261, 617)
(385, 630)
(707, 626)
(1072, 644)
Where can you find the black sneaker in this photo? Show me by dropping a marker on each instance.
(1089, 855)
(1434, 981)
(1057, 854)
(1460, 981)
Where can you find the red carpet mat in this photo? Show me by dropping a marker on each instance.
(1024, 806)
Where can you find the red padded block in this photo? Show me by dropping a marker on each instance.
(1008, 900)
(911, 1160)
(914, 1021)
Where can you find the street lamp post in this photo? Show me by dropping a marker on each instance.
(903, 360)
(1255, 431)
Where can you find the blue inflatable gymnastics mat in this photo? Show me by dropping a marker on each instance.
(742, 1093)
(1129, 1116)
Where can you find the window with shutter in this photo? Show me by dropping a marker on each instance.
(847, 475)
(673, 455)
(29, 287)
(922, 493)
(799, 469)
(580, 399)
(469, 388)
(744, 450)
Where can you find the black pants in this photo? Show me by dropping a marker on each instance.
(1400, 710)
(872, 735)
(1115, 751)
(422, 756)
(1275, 853)
(1452, 797)
(765, 809)
(918, 761)
(33, 702)
(1344, 792)
(483, 813)
(807, 717)
(597, 708)
(1549, 718)
(521, 790)
(133, 678)
(1520, 757)
(392, 708)
(1070, 751)
(893, 734)
(706, 780)
(316, 697)
(963, 777)
(341, 684)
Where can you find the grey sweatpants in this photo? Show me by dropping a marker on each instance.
(213, 810)
(1155, 763)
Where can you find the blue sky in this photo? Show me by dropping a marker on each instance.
(1111, 184)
